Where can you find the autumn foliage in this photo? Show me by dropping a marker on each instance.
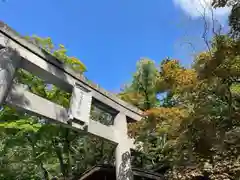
(193, 121)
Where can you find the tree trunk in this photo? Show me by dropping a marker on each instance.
(60, 157)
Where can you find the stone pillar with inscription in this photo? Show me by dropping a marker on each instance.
(122, 152)
(9, 62)
(80, 107)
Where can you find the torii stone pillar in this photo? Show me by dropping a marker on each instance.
(9, 62)
(16, 52)
(122, 152)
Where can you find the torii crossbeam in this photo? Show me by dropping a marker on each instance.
(16, 52)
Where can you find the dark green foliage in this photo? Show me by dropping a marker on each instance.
(234, 18)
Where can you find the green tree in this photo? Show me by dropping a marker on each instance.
(33, 148)
(197, 132)
(234, 18)
(142, 91)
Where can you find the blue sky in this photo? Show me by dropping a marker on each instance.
(110, 36)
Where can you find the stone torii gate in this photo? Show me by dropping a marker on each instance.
(16, 52)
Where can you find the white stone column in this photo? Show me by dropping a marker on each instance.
(122, 152)
(9, 62)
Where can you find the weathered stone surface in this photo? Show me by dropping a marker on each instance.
(16, 52)
(9, 62)
(35, 58)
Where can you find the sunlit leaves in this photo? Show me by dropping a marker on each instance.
(235, 89)
(223, 61)
(24, 125)
(60, 52)
(76, 64)
(45, 144)
(144, 82)
(165, 116)
(133, 98)
(203, 103)
(177, 77)
(143, 89)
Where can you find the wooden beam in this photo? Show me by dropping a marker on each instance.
(46, 66)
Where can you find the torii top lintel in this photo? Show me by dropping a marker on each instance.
(43, 64)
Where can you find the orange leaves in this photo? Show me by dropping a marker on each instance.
(161, 113)
(223, 61)
(161, 120)
(195, 117)
(165, 119)
(177, 77)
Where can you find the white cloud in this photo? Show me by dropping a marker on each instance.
(196, 8)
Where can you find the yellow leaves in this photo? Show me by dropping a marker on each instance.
(223, 61)
(77, 64)
(60, 52)
(165, 119)
(44, 43)
(73, 62)
(161, 120)
(169, 69)
(134, 129)
(133, 98)
(162, 114)
(202, 58)
(176, 77)
(186, 77)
